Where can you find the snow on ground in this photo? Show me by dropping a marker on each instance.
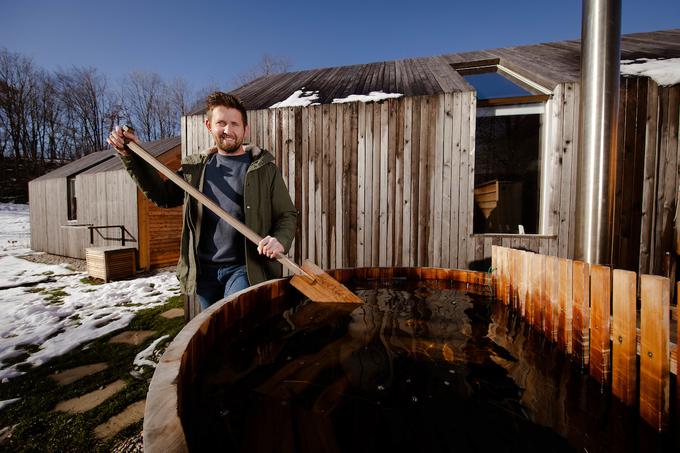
(15, 233)
(148, 357)
(51, 318)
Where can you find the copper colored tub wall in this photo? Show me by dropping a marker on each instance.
(163, 430)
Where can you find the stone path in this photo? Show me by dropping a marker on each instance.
(90, 400)
(132, 337)
(173, 313)
(130, 415)
(66, 377)
(133, 413)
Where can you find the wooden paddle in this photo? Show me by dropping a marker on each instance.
(310, 280)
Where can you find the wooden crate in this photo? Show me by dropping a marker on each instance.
(111, 262)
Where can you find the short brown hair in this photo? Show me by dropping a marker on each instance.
(219, 98)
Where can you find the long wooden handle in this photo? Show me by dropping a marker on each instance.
(208, 203)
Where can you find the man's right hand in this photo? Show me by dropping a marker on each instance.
(117, 139)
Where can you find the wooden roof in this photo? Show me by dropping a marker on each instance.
(548, 64)
(155, 148)
(79, 165)
(101, 161)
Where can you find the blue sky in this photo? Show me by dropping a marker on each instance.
(212, 42)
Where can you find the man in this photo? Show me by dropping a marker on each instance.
(215, 259)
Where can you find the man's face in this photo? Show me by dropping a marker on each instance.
(226, 127)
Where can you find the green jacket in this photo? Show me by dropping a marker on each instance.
(266, 203)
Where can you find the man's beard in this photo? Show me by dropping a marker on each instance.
(228, 147)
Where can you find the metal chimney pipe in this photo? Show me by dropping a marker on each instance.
(599, 103)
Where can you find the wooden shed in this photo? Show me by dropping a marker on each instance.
(439, 174)
(94, 202)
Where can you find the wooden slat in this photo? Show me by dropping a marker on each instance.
(361, 183)
(624, 343)
(385, 186)
(650, 166)
(377, 182)
(424, 180)
(654, 350)
(436, 187)
(581, 313)
(369, 182)
(339, 238)
(600, 309)
(399, 176)
(467, 161)
(392, 140)
(447, 149)
(406, 258)
(552, 282)
(564, 331)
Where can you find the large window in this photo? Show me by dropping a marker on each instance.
(509, 139)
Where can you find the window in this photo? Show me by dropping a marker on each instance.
(71, 198)
(509, 140)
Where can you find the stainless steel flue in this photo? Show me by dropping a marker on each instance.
(600, 59)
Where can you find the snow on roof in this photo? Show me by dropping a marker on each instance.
(373, 96)
(664, 72)
(298, 99)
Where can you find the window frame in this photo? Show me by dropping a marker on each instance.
(541, 103)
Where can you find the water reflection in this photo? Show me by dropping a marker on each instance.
(415, 368)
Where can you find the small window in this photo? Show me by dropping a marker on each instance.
(71, 201)
(508, 149)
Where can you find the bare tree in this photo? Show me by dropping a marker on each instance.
(88, 107)
(267, 65)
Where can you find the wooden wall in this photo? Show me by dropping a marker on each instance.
(660, 181)
(105, 198)
(160, 229)
(391, 183)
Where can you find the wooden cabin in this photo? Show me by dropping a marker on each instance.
(392, 182)
(94, 202)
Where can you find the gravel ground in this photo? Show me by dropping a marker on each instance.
(78, 264)
(46, 258)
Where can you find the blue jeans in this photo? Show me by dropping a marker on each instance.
(217, 281)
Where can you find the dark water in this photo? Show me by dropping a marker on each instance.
(416, 368)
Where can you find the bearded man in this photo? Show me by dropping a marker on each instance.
(215, 259)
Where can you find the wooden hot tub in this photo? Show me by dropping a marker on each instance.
(178, 368)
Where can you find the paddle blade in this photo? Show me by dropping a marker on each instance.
(323, 288)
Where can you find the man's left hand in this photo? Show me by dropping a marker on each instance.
(269, 246)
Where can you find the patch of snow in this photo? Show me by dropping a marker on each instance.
(54, 317)
(373, 96)
(148, 357)
(298, 99)
(5, 403)
(664, 72)
(15, 231)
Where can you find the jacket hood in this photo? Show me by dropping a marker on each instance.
(256, 151)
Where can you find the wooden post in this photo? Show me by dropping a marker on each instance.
(654, 350)
(581, 312)
(524, 298)
(564, 331)
(552, 293)
(514, 276)
(494, 269)
(506, 275)
(624, 333)
(600, 319)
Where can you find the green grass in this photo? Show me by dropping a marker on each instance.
(91, 281)
(40, 429)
